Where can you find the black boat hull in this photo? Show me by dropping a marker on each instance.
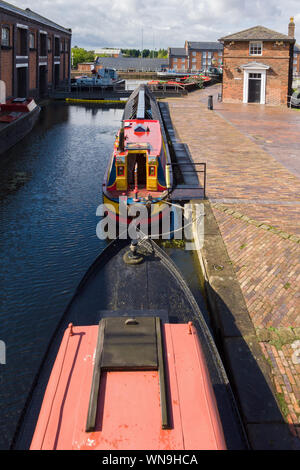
(12, 133)
(153, 287)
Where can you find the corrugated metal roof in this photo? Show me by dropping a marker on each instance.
(31, 15)
(132, 63)
(205, 46)
(257, 33)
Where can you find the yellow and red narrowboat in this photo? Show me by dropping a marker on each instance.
(132, 365)
(140, 165)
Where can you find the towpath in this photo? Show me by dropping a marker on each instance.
(252, 154)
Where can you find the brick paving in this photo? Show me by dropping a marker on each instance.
(253, 181)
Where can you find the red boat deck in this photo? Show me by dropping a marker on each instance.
(129, 415)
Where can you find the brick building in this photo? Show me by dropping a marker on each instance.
(296, 61)
(195, 56)
(34, 52)
(258, 66)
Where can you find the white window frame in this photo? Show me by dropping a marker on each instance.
(253, 44)
(31, 35)
(7, 29)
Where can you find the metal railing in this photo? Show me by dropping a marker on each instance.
(194, 171)
(292, 104)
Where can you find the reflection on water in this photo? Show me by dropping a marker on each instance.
(50, 187)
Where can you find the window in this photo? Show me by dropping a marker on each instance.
(5, 37)
(56, 47)
(255, 48)
(220, 52)
(209, 54)
(194, 53)
(43, 45)
(255, 75)
(49, 44)
(61, 46)
(31, 41)
(175, 60)
(22, 42)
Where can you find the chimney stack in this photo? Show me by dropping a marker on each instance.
(291, 32)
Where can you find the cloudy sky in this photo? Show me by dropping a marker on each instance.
(162, 23)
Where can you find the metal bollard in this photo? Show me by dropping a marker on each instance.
(210, 102)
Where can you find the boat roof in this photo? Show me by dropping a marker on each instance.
(109, 288)
(129, 403)
(143, 134)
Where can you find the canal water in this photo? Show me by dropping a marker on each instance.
(50, 187)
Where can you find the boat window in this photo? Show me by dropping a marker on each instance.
(140, 128)
(138, 146)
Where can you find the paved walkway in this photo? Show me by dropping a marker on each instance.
(253, 181)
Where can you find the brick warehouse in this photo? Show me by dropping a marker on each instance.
(258, 66)
(195, 56)
(34, 54)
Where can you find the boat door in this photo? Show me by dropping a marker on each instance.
(138, 158)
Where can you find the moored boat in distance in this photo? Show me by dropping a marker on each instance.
(131, 365)
(17, 118)
(140, 166)
(105, 77)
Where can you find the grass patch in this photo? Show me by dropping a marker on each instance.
(282, 404)
(243, 246)
(173, 243)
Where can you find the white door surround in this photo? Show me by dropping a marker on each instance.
(255, 67)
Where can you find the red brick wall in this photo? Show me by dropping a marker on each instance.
(6, 57)
(275, 56)
(32, 70)
(6, 70)
(50, 56)
(84, 68)
(180, 62)
(198, 57)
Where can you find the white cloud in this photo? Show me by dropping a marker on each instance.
(161, 23)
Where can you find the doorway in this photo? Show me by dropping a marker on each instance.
(43, 82)
(254, 87)
(56, 75)
(22, 82)
(140, 160)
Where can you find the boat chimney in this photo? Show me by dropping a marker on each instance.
(291, 30)
(2, 92)
(135, 183)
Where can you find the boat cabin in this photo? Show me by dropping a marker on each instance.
(137, 151)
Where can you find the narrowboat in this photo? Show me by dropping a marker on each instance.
(132, 365)
(17, 118)
(140, 165)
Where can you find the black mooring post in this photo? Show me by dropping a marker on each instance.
(210, 102)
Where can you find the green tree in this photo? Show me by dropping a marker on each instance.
(81, 55)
